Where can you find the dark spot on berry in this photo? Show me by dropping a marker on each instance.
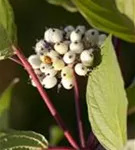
(76, 42)
(82, 68)
(91, 54)
(70, 56)
(77, 31)
(58, 43)
(70, 85)
(93, 33)
(42, 48)
(41, 53)
(64, 74)
(43, 67)
(53, 30)
(48, 74)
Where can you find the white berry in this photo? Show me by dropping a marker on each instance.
(61, 47)
(58, 64)
(102, 38)
(68, 30)
(69, 57)
(47, 35)
(80, 69)
(49, 82)
(67, 73)
(50, 72)
(53, 54)
(75, 36)
(44, 67)
(92, 36)
(87, 57)
(34, 60)
(76, 47)
(81, 29)
(67, 83)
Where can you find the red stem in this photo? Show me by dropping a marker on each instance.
(78, 113)
(45, 97)
(92, 141)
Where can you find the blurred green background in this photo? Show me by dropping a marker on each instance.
(28, 111)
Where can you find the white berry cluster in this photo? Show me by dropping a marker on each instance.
(63, 52)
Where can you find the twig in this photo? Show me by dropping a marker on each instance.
(92, 142)
(78, 112)
(16, 60)
(45, 97)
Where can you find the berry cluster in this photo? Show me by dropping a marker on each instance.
(63, 52)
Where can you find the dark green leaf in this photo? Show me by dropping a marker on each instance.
(5, 104)
(67, 4)
(23, 140)
(104, 15)
(7, 29)
(56, 135)
(106, 100)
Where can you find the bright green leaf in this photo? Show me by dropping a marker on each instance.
(23, 140)
(67, 4)
(104, 15)
(7, 29)
(5, 104)
(56, 135)
(106, 100)
(127, 7)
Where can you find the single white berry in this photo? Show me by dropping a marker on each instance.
(53, 54)
(80, 69)
(76, 47)
(69, 57)
(67, 83)
(67, 73)
(61, 47)
(34, 60)
(81, 28)
(130, 145)
(49, 82)
(58, 64)
(68, 30)
(87, 57)
(44, 67)
(102, 38)
(92, 36)
(47, 35)
(76, 36)
(53, 35)
(50, 72)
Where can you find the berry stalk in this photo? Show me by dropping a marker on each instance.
(45, 97)
(78, 113)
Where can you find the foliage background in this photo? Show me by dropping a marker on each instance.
(28, 112)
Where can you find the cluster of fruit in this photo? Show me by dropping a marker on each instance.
(63, 52)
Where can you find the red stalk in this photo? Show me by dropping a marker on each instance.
(45, 97)
(78, 113)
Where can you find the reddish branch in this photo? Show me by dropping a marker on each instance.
(45, 97)
(78, 113)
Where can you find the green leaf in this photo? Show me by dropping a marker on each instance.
(106, 100)
(5, 104)
(127, 8)
(23, 140)
(56, 135)
(67, 4)
(7, 29)
(104, 15)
